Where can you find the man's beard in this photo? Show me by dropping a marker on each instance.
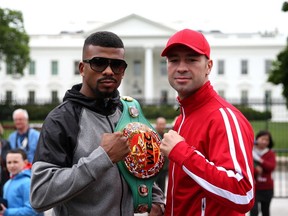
(104, 94)
(101, 94)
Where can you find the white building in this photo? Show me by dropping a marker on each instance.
(241, 64)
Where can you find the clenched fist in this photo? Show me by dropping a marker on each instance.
(115, 145)
(170, 140)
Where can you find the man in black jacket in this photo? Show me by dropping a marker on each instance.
(74, 169)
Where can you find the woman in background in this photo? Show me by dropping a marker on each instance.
(264, 165)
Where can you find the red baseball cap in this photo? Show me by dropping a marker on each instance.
(190, 38)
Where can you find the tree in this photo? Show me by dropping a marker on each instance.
(279, 72)
(14, 42)
(285, 6)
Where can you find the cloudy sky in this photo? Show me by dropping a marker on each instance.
(228, 16)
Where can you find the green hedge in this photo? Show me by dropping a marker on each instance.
(253, 115)
(39, 112)
(166, 111)
(36, 112)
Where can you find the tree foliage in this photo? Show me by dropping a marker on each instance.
(279, 72)
(285, 6)
(14, 42)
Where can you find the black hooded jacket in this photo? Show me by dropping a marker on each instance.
(71, 172)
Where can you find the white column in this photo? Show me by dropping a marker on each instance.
(149, 87)
(120, 88)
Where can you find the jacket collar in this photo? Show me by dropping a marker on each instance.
(104, 106)
(199, 98)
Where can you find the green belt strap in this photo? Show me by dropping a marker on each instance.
(141, 188)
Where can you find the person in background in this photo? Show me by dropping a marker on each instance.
(210, 146)
(17, 188)
(160, 127)
(264, 165)
(4, 148)
(1, 130)
(24, 137)
(75, 166)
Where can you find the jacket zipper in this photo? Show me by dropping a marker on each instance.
(203, 206)
(173, 167)
(121, 200)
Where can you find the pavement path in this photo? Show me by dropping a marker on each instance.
(279, 207)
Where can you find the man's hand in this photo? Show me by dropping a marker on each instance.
(115, 145)
(256, 157)
(2, 210)
(169, 141)
(156, 210)
(259, 170)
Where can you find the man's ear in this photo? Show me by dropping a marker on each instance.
(123, 74)
(209, 66)
(81, 69)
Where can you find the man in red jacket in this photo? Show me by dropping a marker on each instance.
(210, 146)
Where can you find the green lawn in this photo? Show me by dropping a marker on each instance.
(279, 131)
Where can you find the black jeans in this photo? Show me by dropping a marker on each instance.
(262, 198)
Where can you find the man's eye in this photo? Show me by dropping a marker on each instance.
(192, 59)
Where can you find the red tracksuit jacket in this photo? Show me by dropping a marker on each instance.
(211, 172)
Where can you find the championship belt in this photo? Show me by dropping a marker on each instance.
(141, 166)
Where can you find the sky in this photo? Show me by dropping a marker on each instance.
(228, 16)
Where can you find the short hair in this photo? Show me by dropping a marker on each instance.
(160, 118)
(1, 130)
(103, 39)
(264, 133)
(18, 151)
(25, 113)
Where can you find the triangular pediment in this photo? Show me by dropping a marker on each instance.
(135, 25)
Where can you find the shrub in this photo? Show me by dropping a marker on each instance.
(36, 112)
(252, 114)
(39, 112)
(154, 111)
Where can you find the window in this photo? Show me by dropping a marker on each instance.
(137, 68)
(164, 97)
(221, 93)
(268, 66)
(244, 97)
(163, 68)
(244, 67)
(9, 70)
(136, 88)
(268, 100)
(76, 70)
(221, 65)
(31, 97)
(54, 67)
(9, 97)
(54, 95)
(32, 68)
